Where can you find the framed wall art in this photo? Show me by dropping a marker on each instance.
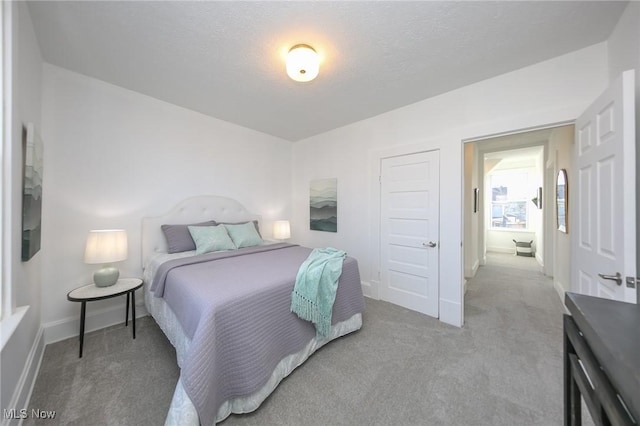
(323, 205)
(476, 199)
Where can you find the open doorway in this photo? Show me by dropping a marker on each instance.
(512, 189)
(510, 195)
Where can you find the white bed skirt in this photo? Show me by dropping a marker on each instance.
(182, 411)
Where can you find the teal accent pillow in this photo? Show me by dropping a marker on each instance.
(244, 235)
(211, 238)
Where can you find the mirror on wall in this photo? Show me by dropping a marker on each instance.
(562, 200)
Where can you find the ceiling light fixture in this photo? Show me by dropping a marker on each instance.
(303, 63)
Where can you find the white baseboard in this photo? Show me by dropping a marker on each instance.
(65, 328)
(10, 323)
(471, 272)
(450, 312)
(367, 289)
(539, 259)
(24, 387)
(373, 290)
(502, 250)
(557, 285)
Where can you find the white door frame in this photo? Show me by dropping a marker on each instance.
(373, 289)
(548, 186)
(416, 282)
(482, 220)
(550, 221)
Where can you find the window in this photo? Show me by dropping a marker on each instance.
(509, 195)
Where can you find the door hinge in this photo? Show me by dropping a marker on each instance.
(380, 179)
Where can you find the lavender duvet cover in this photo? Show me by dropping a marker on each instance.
(235, 307)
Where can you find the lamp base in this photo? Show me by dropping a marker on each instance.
(106, 276)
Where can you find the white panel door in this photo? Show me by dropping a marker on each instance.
(409, 209)
(603, 210)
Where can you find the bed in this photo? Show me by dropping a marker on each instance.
(227, 313)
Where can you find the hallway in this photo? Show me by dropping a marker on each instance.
(527, 310)
(514, 283)
(512, 261)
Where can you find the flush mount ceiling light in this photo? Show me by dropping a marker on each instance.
(303, 63)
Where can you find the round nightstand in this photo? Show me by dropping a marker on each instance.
(91, 292)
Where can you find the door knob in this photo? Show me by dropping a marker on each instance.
(617, 277)
(429, 244)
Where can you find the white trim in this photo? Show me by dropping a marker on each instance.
(65, 328)
(518, 131)
(454, 315)
(24, 388)
(501, 250)
(375, 285)
(629, 175)
(471, 272)
(450, 312)
(559, 288)
(6, 217)
(2, 188)
(481, 182)
(366, 288)
(549, 213)
(9, 324)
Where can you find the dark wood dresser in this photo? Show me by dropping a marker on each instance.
(601, 337)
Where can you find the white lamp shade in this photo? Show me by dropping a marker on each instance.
(281, 230)
(106, 245)
(303, 63)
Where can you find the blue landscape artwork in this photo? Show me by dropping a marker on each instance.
(323, 205)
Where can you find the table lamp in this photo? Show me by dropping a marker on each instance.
(106, 246)
(281, 230)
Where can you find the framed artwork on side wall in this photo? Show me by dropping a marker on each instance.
(476, 199)
(323, 205)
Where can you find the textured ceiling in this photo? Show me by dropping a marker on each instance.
(226, 59)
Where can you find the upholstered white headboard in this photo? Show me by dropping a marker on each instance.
(192, 210)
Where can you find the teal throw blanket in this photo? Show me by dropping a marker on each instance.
(316, 285)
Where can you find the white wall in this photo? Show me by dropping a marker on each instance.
(552, 91)
(471, 254)
(160, 153)
(560, 156)
(20, 355)
(538, 214)
(114, 156)
(502, 241)
(624, 54)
